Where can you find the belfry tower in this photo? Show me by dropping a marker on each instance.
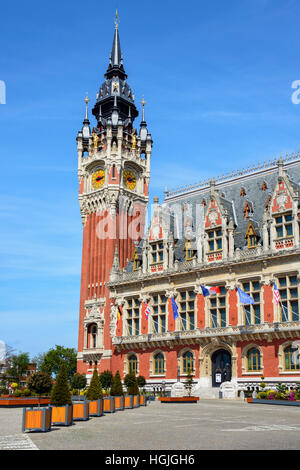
(114, 173)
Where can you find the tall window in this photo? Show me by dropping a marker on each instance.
(133, 364)
(187, 310)
(254, 360)
(187, 362)
(133, 317)
(291, 358)
(159, 307)
(157, 252)
(289, 300)
(159, 363)
(217, 308)
(215, 240)
(252, 312)
(284, 226)
(189, 252)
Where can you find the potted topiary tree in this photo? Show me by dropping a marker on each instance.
(38, 419)
(60, 400)
(188, 384)
(132, 388)
(78, 383)
(117, 392)
(141, 383)
(95, 396)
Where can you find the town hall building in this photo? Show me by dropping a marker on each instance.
(211, 287)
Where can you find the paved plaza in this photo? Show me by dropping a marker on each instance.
(210, 424)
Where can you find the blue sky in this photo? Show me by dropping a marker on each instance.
(217, 80)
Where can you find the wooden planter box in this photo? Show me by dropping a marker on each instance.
(96, 407)
(36, 420)
(109, 404)
(136, 401)
(81, 411)
(12, 402)
(128, 402)
(119, 403)
(143, 400)
(178, 399)
(276, 402)
(62, 415)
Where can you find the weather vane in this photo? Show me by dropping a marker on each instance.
(117, 21)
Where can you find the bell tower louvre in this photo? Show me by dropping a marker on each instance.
(114, 173)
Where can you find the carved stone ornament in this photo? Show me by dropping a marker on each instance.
(113, 320)
(281, 200)
(212, 217)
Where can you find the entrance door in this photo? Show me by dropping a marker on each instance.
(221, 367)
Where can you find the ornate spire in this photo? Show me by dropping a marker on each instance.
(115, 67)
(86, 131)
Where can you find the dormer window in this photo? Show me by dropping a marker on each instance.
(284, 226)
(251, 236)
(215, 240)
(136, 261)
(157, 252)
(189, 252)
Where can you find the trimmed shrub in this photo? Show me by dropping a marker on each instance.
(94, 391)
(61, 394)
(141, 381)
(116, 387)
(78, 382)
(262, 395)
(131, 383)
(106, 378)
(17, 393)
(40, 383)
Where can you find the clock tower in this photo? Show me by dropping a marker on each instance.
(113, 172)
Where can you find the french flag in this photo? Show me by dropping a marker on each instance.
(208, 290)
(147, 311)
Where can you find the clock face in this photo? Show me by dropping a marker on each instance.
(98, 179)
(129, 179)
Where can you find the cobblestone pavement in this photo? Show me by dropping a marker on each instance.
(17, 442)
(210, 424)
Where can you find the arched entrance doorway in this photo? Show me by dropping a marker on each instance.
(221, 367)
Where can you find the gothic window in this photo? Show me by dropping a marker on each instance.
(159, 363)
(284, 226)
(291, 358)
(159, 307)
(186, 303)
(157, 252)
(217, 308)
(189, 252)
(253, 360)
(133, 317)
(289, 298)
(251, 236)
(215, 240)
(136, 261)
(132, 364)
(187, 362)
(252, 314)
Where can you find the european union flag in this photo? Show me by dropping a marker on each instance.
(175, 308)
(244, 298)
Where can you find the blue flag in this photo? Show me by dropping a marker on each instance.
(244, 298)
(175, 308)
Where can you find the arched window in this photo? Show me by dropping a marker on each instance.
(94, 336)
(159, 363)
(291, 358)
(132, 364)
(187, 362)
(254, 360)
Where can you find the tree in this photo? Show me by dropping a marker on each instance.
(18, 366)
(189, 383)
(61, 395)
(39, 382)
(54, 357)
(106, 378)
(131, 383)
(117, 387)
(141, 381)
(78, 381)
(95, 389)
